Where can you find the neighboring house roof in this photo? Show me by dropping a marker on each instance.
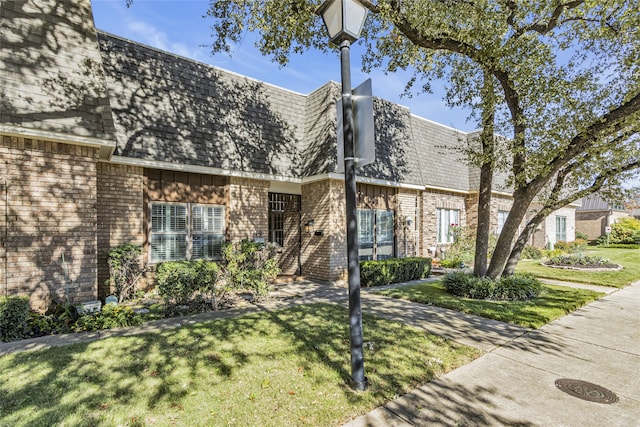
(594, 202)
(51, 73)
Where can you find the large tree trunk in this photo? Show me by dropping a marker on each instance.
(521, 202)
(487, 141)
(484, 221)
(516, 251)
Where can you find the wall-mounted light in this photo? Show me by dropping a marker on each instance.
(408, 221)
(309, 226)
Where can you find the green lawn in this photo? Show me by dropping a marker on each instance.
(552, 303)
(289, 367)
(628, 258)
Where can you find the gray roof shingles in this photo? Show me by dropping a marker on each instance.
(51, 75)
(171, 109)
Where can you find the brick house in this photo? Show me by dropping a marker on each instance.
(105, 141)
(595, 214)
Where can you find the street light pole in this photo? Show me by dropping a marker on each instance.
(359, 381)
(344, 20)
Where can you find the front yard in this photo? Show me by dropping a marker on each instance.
(288, 367)
(552, 303)
(628, 258)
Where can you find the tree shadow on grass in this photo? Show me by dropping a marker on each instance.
(155, 373)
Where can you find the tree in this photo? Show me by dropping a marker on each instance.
(565, 78)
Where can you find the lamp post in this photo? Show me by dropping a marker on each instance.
(344, 20)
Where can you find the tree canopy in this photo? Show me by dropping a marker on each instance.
(564, 79)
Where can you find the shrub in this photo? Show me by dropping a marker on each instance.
(251, 266)
(516, 287)
(531, 252)
(620, 246)
(180, 281)
(582, 236)
(111, 316)
(580, 261)
(14, 312)
(62, 315)
(125, 270)
(394, 270)
(452, 263)
(550, 253)
(562, 246)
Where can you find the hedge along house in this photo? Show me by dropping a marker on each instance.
(106, 141)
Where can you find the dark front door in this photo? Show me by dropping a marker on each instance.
(284, 230)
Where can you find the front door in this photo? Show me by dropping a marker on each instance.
(284, 230)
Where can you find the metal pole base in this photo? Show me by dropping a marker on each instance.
(360, 385)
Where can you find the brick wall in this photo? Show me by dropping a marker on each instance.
(316, 250)
(120, 213)
(407, 233)
(248, 209)
(47, 213)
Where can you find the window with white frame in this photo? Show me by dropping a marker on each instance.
(502, 218)
(446, 219)
(375, 234)
(186, 231)
(561, 228)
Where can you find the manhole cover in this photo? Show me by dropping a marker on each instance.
(586, 391)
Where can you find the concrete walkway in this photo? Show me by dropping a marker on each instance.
(514, 384)
(511, 385)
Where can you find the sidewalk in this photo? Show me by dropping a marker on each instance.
(514, 384)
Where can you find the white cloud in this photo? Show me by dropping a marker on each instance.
(152, 36)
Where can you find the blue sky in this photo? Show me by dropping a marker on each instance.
(177, 26)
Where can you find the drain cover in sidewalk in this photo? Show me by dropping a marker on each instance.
(586, 391)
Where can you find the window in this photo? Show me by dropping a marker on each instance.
(375, 234)
(182, 231)
(445, 220)
(561, 228)
(502, 218)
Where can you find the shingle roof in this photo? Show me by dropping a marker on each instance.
(172, 109)
(438, 150)
(50, 69)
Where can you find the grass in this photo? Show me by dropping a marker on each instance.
(552, 303)
(288, 367)
(628, 258)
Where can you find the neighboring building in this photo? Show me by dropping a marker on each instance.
(559, 226)
(596, 214)
(105, 141)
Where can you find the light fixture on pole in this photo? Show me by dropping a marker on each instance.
(344, 20)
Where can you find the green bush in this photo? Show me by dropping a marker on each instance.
(550, 253)
(580, 261)
(14, 312)
(125, 270)
(516, 287)
(180, 281)
(582, 236)
(620, 246)
(625, 231)
(577, 245)
(452, 263)
(394, 270)
(251, 266)
(531, 252)
(111, 316)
